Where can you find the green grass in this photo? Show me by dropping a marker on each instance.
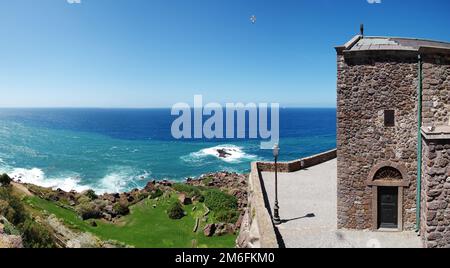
(145, 227)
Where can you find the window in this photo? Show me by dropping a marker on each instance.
(389, 118)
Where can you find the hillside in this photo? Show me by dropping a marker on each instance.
(202, 213)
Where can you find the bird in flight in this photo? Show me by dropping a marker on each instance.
(253, 19)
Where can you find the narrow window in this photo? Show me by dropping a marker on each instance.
(389, 118)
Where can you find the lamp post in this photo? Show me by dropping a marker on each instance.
(276, 215)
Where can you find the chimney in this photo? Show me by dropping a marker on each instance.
(361, 29)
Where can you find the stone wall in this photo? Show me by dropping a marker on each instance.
(298, 164)
(257, 229)
(436, 91)
(435, 227)
(367, 85)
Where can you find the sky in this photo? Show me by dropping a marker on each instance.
(155, 53)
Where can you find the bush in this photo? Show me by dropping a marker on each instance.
(227, 216)
(9, 229)
(88, 211)
(155, 194)
(91, 194)
(11, 207)
(5, 180)
(121, 208)
(36, 236)
(217, 200)
(208, 180)
(175, 211)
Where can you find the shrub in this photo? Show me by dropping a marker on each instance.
(9, 229)
(227, 216)
(155, 194)
(83, 199)
(121, 208)
(217, 200)
(175, 211)
(201, 199)
(88, 211)
(5, 180)
(208, 180)
(91, 194)
(11, 207)
(36, 236)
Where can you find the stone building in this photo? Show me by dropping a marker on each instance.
(393, 109)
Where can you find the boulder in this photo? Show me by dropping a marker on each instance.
(184, 199)
(10, 241)
(209, 230)
(107, 216)
(223, 229)
(151, 186)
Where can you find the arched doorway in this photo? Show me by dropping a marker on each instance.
(387, 181)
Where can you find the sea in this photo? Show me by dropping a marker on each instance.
(116, 150)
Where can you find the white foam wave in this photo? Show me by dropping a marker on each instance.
(227, 153)
(37, 177)
(119, 180)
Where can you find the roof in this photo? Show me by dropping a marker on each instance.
(375, 43)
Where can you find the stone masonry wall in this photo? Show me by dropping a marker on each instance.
(436, 91)
(435, 227)
(368, 85)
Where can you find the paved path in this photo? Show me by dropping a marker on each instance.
(308, 207)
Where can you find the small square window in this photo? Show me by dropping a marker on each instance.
(389, 118)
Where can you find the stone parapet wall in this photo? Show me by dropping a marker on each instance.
(257, 229)
(299, 164)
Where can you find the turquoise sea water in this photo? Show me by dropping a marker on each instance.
(113, 150)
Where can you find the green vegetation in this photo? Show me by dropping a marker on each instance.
(175, 211)
(91, 194)
(227, 216)
(217, 200)
(5, 180)
(223, 206)
(88, 211)
(34, 235)
(159, 221)
(121, 208)
(11, 207)
(208, 180)
(147, 225)
(155, 194)
(189, 190)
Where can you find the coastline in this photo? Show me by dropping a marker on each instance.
(108, 211)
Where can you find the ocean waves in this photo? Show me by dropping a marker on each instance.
(117, 180)
(228, 153)
(37, 176)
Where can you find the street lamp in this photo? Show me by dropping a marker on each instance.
(276, 215)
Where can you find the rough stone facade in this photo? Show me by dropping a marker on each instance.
(436, 90)
(435, 227)
(376, 77)
(366, 87)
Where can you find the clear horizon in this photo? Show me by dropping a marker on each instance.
(148, 54)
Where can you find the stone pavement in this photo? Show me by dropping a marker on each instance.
(307, 201)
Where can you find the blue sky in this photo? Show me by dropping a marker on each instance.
(154, 53)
